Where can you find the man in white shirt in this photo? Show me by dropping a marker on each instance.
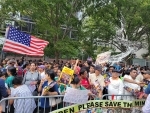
(92, 72)
(115, 86)
(98, 80)
(22, 105)
(129, 87)
(140, 76)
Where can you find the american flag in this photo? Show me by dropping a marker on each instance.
(23, 43)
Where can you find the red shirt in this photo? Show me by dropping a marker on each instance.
(85, 83)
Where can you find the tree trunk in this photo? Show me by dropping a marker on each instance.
(56, 56)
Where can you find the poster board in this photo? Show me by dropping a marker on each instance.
(66, 76)
(76, 96)
(103, 57)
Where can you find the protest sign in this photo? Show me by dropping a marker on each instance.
(102, 104)
(66, 75)
(103, 58)
(76, 96)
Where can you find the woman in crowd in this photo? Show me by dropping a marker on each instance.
(32, 79)
(48, 88)
(115, 86)
(11, 71)
(84, 78)
(22, 105)
(76, 83)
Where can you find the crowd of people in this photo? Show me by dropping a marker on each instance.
(20, 78)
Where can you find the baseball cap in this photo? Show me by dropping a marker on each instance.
(99, 68)
(147, 72)
(41, 66)
(114, 70)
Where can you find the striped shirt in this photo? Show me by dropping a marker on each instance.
(23, 105)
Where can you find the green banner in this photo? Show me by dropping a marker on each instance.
(101, 104)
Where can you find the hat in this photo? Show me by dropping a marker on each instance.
(41, 66)
(99, 68)
(114, 70)
(147, 72)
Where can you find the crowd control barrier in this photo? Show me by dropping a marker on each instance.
(114, 106)
(7, 107)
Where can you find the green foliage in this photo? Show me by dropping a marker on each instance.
(105, 18)
(56, 19)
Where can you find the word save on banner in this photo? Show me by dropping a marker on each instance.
(76, 96)
(102, 104)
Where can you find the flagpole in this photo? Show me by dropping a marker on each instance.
(6, 34)
(2, 52)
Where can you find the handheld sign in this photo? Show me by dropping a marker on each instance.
(76, 96)
(66, 75)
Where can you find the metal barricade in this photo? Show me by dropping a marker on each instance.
(117, 97)
(57, 98)
(59, 104)
(22, 100)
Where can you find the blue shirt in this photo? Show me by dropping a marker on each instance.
(147, 90)
(45, 101)
(3, 92)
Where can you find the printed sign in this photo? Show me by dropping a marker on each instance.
(66, 75)
(76, 96)
(103, 58)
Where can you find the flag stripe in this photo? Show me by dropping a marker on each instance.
(20, 46)
(21, 49)
(36, 45)
(19, 42)
(7, 49)
(20, 52)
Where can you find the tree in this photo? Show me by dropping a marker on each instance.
(109, 16)
(145, 14)
(55, 20)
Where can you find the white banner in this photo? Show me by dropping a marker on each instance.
(103, 57)
(76, 96)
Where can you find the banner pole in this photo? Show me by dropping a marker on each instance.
(6, 34)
